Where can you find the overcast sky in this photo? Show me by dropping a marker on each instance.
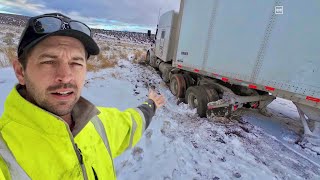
(125, 15)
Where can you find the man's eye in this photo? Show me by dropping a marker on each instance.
(47, 62)
(77, 64)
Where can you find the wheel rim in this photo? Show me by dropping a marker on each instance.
(192, 101)
(174, 87)
(195, 102)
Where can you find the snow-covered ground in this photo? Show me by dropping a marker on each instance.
(180, 145)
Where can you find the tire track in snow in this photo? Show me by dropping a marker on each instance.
(215, 148)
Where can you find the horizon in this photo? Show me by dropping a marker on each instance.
(140, 16)
(92, 28)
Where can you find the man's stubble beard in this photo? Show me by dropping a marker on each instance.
(40, 99)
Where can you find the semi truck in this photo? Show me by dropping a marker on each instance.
(222, 55)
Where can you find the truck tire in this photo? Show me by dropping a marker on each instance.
(165, 69)
(157, 63)
(150, 59)
(188, 80)
(178, 85)
(211, 93)
(199, 96)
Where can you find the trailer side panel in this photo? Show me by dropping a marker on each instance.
(249, 41)
(292, 59)
(193, 31)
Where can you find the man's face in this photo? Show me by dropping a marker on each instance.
(55, 74)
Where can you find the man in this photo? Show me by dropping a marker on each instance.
(48, 131)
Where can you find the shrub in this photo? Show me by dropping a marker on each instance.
(8, 39)
(123, 55)
(100, 61)
(91, 67)
(107, 64)
(10, 55)
(139, 56)
(105, 48)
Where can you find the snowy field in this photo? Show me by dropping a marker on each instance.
(180, 145)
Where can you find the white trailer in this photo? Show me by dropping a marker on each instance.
(220, 55)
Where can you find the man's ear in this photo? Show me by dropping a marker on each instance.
(19, 71)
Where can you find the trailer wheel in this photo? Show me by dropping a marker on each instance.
(178, 85)
(199, 96)
(211, 93)
(188, 80)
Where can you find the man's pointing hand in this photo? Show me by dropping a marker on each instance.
(159, 100)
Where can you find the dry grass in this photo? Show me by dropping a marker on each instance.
(8, 49)
(115, 75)
(91, 67)
(112, 56)
(99, 62)
(10, 53)
(8, 39)
(92, 64)
(139, 56)
(107, 64)
(123, 55)
(105, 59)
(105, 48)
(101, 57)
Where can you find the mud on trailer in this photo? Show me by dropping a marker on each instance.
(221, 55)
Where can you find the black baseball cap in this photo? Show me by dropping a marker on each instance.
(56, 24)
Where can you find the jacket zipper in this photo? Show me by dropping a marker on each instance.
(78, 153)
(75, 147)
(95, 174)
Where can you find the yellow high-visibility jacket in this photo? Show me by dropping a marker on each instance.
(36, 144)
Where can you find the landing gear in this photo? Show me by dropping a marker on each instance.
(313, 136)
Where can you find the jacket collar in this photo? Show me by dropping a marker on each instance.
(23, 112)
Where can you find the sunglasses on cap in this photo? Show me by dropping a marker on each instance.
(49, 23)
(55, 24)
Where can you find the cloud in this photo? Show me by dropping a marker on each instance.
(18, 6)
(119, 14)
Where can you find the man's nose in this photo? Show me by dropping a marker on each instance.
(64, 73)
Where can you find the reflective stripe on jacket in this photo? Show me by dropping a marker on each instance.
(36, 144)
